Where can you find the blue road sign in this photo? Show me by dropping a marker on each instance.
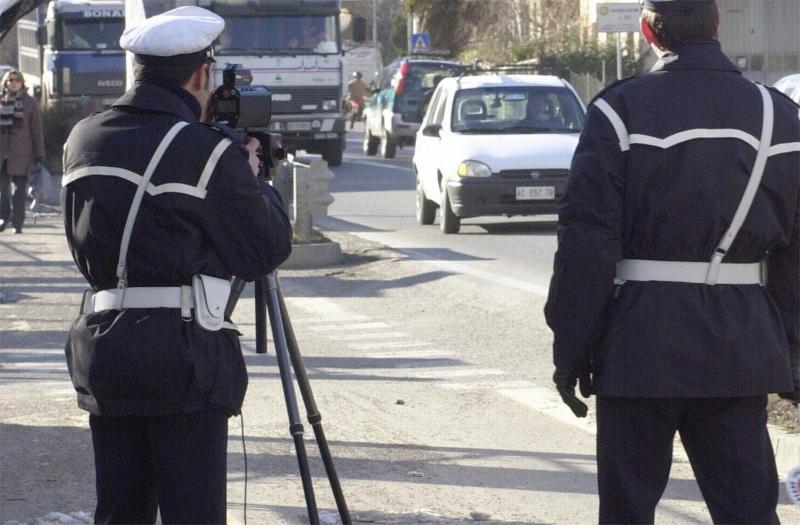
(419, 42)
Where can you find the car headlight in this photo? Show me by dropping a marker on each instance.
(473, 168)
(329, 105)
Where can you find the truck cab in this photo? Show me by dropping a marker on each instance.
(294, 48)
(69, 53)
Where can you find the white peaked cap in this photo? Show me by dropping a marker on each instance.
(181, 31)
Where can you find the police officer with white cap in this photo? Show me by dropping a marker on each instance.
(674, 297)
(160, 211)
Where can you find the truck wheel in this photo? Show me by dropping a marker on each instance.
(426, 210)
(388, 146)
(448, 221)
(370, 145)
(332, 152)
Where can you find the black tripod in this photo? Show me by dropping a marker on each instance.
(269, 301)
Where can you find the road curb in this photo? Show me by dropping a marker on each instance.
(313, 255)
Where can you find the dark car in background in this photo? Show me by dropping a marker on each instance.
(394, 112)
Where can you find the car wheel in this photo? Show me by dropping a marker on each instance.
(388, 146)
(370, 145)
(448, 221)
(426, 210)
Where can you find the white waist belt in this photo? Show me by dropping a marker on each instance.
(145, 297)
(688, 272)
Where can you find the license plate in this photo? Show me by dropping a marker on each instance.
(299, 126)
(536, 193)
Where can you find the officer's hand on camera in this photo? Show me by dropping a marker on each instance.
(565, 381)
(252, 144)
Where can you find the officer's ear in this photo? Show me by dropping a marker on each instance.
(647, 31)
(199, 80)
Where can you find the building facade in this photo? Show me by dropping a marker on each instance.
(762, 37)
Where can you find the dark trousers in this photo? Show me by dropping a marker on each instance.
(12, 207)
(727, 444)
(176, 463)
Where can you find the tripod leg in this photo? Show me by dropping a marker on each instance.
(295, 426)
(261, 316)
(314, 417)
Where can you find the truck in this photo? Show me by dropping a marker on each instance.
(291, 46)
(70, 56)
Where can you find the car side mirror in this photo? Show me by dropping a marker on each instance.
(432, 130)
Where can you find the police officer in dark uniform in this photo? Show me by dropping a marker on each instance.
(674, 296)
(160, 211)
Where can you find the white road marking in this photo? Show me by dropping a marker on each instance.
(379, 165)
(460, 267)
(410, 354)
(333, 319)
(444, 373)
(387, 344)
(547, 401)
(366, 337)
(350, 326)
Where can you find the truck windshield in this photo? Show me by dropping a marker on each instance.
(517, 110)
(282, 34)
(82, 34)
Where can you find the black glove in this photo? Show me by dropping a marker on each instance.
(565, 381)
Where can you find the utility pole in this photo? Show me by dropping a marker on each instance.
(409, 30)
(375, 23)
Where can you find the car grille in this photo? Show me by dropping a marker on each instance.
(305, 96)
(527, 174)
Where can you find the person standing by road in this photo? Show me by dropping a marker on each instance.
(21, 145)
(160, 211)
(674, 296)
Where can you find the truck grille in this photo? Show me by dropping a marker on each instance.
(302, 98)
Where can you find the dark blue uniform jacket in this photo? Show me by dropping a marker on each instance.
(150, 361)
(672, 200)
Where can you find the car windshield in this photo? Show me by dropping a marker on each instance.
(517, 110)
(79, 34)
(278, 34)
(423, 76)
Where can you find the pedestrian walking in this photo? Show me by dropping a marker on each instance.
(21, 146)
(674, 297)
(160, 211)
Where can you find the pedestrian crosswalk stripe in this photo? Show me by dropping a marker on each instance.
(387, 344)
(321, 320)
(370, 336)
(546, 401)
(410, 354)
(443, 373)
(350, 326)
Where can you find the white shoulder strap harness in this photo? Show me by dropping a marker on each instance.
(715, 271)
(207, 296)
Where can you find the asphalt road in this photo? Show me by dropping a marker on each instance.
(428, 356)
(375, 197)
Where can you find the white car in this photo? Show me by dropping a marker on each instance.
(495, 145)
(790, 86)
